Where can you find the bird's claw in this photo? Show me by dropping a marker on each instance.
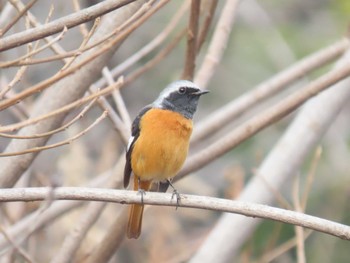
(141, 192)
(178, 198)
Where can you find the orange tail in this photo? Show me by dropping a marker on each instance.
(136, 211)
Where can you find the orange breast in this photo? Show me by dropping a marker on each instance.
(162, 145)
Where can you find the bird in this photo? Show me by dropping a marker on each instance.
(159, 143)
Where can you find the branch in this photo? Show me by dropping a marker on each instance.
(189, 201)
(58, 25)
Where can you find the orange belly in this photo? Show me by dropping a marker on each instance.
(162, 146)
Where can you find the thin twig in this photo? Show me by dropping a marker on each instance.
(82, 27)
(83, 44)
(298, 230)
(118, 100)
(310, 176)
(55, 145)
(281, 249)
(63, 127)
(24, 59)
(189, 201)
(17, 17)
(113, 116)
(20, 250)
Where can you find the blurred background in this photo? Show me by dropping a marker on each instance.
(268, 36)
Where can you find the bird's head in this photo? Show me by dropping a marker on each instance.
(180, 96)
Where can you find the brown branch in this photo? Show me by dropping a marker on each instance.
(191, 51)
(58, 25)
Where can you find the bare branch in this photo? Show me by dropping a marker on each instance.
(189, 201)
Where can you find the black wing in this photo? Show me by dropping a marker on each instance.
(135, 132)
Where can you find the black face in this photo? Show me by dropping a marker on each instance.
(183, 100)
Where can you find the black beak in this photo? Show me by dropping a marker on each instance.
(200, 92)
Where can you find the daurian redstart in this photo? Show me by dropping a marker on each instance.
(159, 143)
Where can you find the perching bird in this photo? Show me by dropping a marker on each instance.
(159, 142)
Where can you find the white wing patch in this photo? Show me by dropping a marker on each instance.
(131, 140)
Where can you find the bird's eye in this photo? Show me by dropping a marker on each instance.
(182, 90)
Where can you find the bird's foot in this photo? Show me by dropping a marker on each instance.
(142, 193)
(175, 193)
